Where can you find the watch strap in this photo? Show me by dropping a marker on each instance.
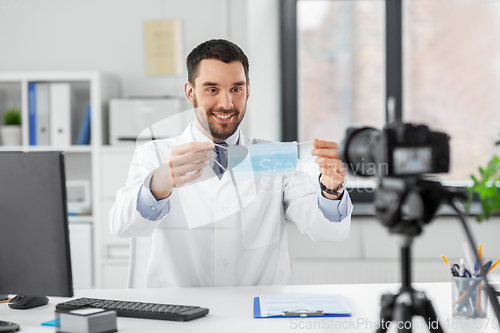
(338, 192)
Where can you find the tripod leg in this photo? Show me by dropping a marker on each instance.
(424, 308)
(387, 306)
(403, 312)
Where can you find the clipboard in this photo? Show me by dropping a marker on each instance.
(286, 314)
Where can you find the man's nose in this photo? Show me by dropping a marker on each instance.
(225, 101)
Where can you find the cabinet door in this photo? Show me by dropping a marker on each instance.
(80, 238)
(115, 166)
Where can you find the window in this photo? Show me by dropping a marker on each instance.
(451, 77)
(341, 68)
(451, 73)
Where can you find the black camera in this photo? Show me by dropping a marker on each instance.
(400, 149)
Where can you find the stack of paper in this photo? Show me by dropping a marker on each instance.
(88, 320)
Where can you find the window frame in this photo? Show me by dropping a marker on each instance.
(393, 72)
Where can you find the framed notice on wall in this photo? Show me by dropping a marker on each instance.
(163, 47)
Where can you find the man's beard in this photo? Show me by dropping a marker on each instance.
(218, 131)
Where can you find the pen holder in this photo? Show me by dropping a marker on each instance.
(469, 299)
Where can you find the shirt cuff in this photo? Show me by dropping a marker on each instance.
(333, 210)
(150, 208)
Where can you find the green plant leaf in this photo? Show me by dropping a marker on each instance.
(12, 116)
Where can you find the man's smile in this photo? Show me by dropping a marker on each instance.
(223, 117)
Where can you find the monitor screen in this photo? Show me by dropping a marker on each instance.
(34, 239)
(412, 160)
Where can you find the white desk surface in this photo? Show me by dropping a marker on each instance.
(231, 309)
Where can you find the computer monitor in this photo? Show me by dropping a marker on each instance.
(34, 238)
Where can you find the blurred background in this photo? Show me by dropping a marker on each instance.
(122, 61)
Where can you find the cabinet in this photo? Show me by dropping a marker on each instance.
(82, 162)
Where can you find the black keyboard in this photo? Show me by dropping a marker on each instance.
(136, 309)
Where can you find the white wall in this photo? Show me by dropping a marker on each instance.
(107, 35)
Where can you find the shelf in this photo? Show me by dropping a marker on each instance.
(80, 219)
(70, 149)
(82, 162)
(117, 149)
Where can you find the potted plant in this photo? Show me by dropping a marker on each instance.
(11, 129)
(487, 188)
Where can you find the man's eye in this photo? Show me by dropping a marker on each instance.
(237, 89)
(212, 90)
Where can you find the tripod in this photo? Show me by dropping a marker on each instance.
(404, 206)
(400, 308)
(420, 199)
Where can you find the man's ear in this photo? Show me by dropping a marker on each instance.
(248, 90)
(189, 92)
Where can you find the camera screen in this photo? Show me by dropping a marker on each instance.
(412, 160)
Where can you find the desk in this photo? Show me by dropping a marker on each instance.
(231, 309)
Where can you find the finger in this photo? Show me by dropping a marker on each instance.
(188, 178)
(334, 166)
(325, 152)
(324, 144)
(332, 174)
(327, 160)
(191, 158)
(184, 169)
(191, 147)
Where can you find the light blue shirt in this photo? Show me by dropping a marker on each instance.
(151, 209)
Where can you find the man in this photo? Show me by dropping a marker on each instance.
(205, 226)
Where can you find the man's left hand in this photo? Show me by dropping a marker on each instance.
(331, 167)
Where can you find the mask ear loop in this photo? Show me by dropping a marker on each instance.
(303, 143)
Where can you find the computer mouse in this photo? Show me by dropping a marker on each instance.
(23, 302)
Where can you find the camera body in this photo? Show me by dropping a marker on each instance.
(400, 149)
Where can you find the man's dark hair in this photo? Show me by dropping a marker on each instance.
(218, 49)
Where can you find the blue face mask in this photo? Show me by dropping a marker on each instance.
(263, 160)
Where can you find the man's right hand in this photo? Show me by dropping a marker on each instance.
(185, 164)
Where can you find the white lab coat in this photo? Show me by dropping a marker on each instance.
(233, 247)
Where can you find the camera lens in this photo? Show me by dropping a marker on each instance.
(358, 151)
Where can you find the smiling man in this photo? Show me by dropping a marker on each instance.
(202, 226)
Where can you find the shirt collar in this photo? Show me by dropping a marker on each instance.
(198, 136)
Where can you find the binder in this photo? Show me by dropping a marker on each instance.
(32, 112)
(42, 114)
(345, 312)
(60, 114)
(84, 135)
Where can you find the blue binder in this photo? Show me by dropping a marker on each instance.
(257, 314)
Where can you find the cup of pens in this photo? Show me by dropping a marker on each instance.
(469, 299)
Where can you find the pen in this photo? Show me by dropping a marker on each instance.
(493, 266)
(445, 261)
(462, 268)
(486, 267)
(478, 262)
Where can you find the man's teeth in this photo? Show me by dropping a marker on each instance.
(223, 116)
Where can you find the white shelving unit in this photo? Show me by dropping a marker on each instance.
(95, 89)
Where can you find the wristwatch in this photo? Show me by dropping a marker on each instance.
(337, 192)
